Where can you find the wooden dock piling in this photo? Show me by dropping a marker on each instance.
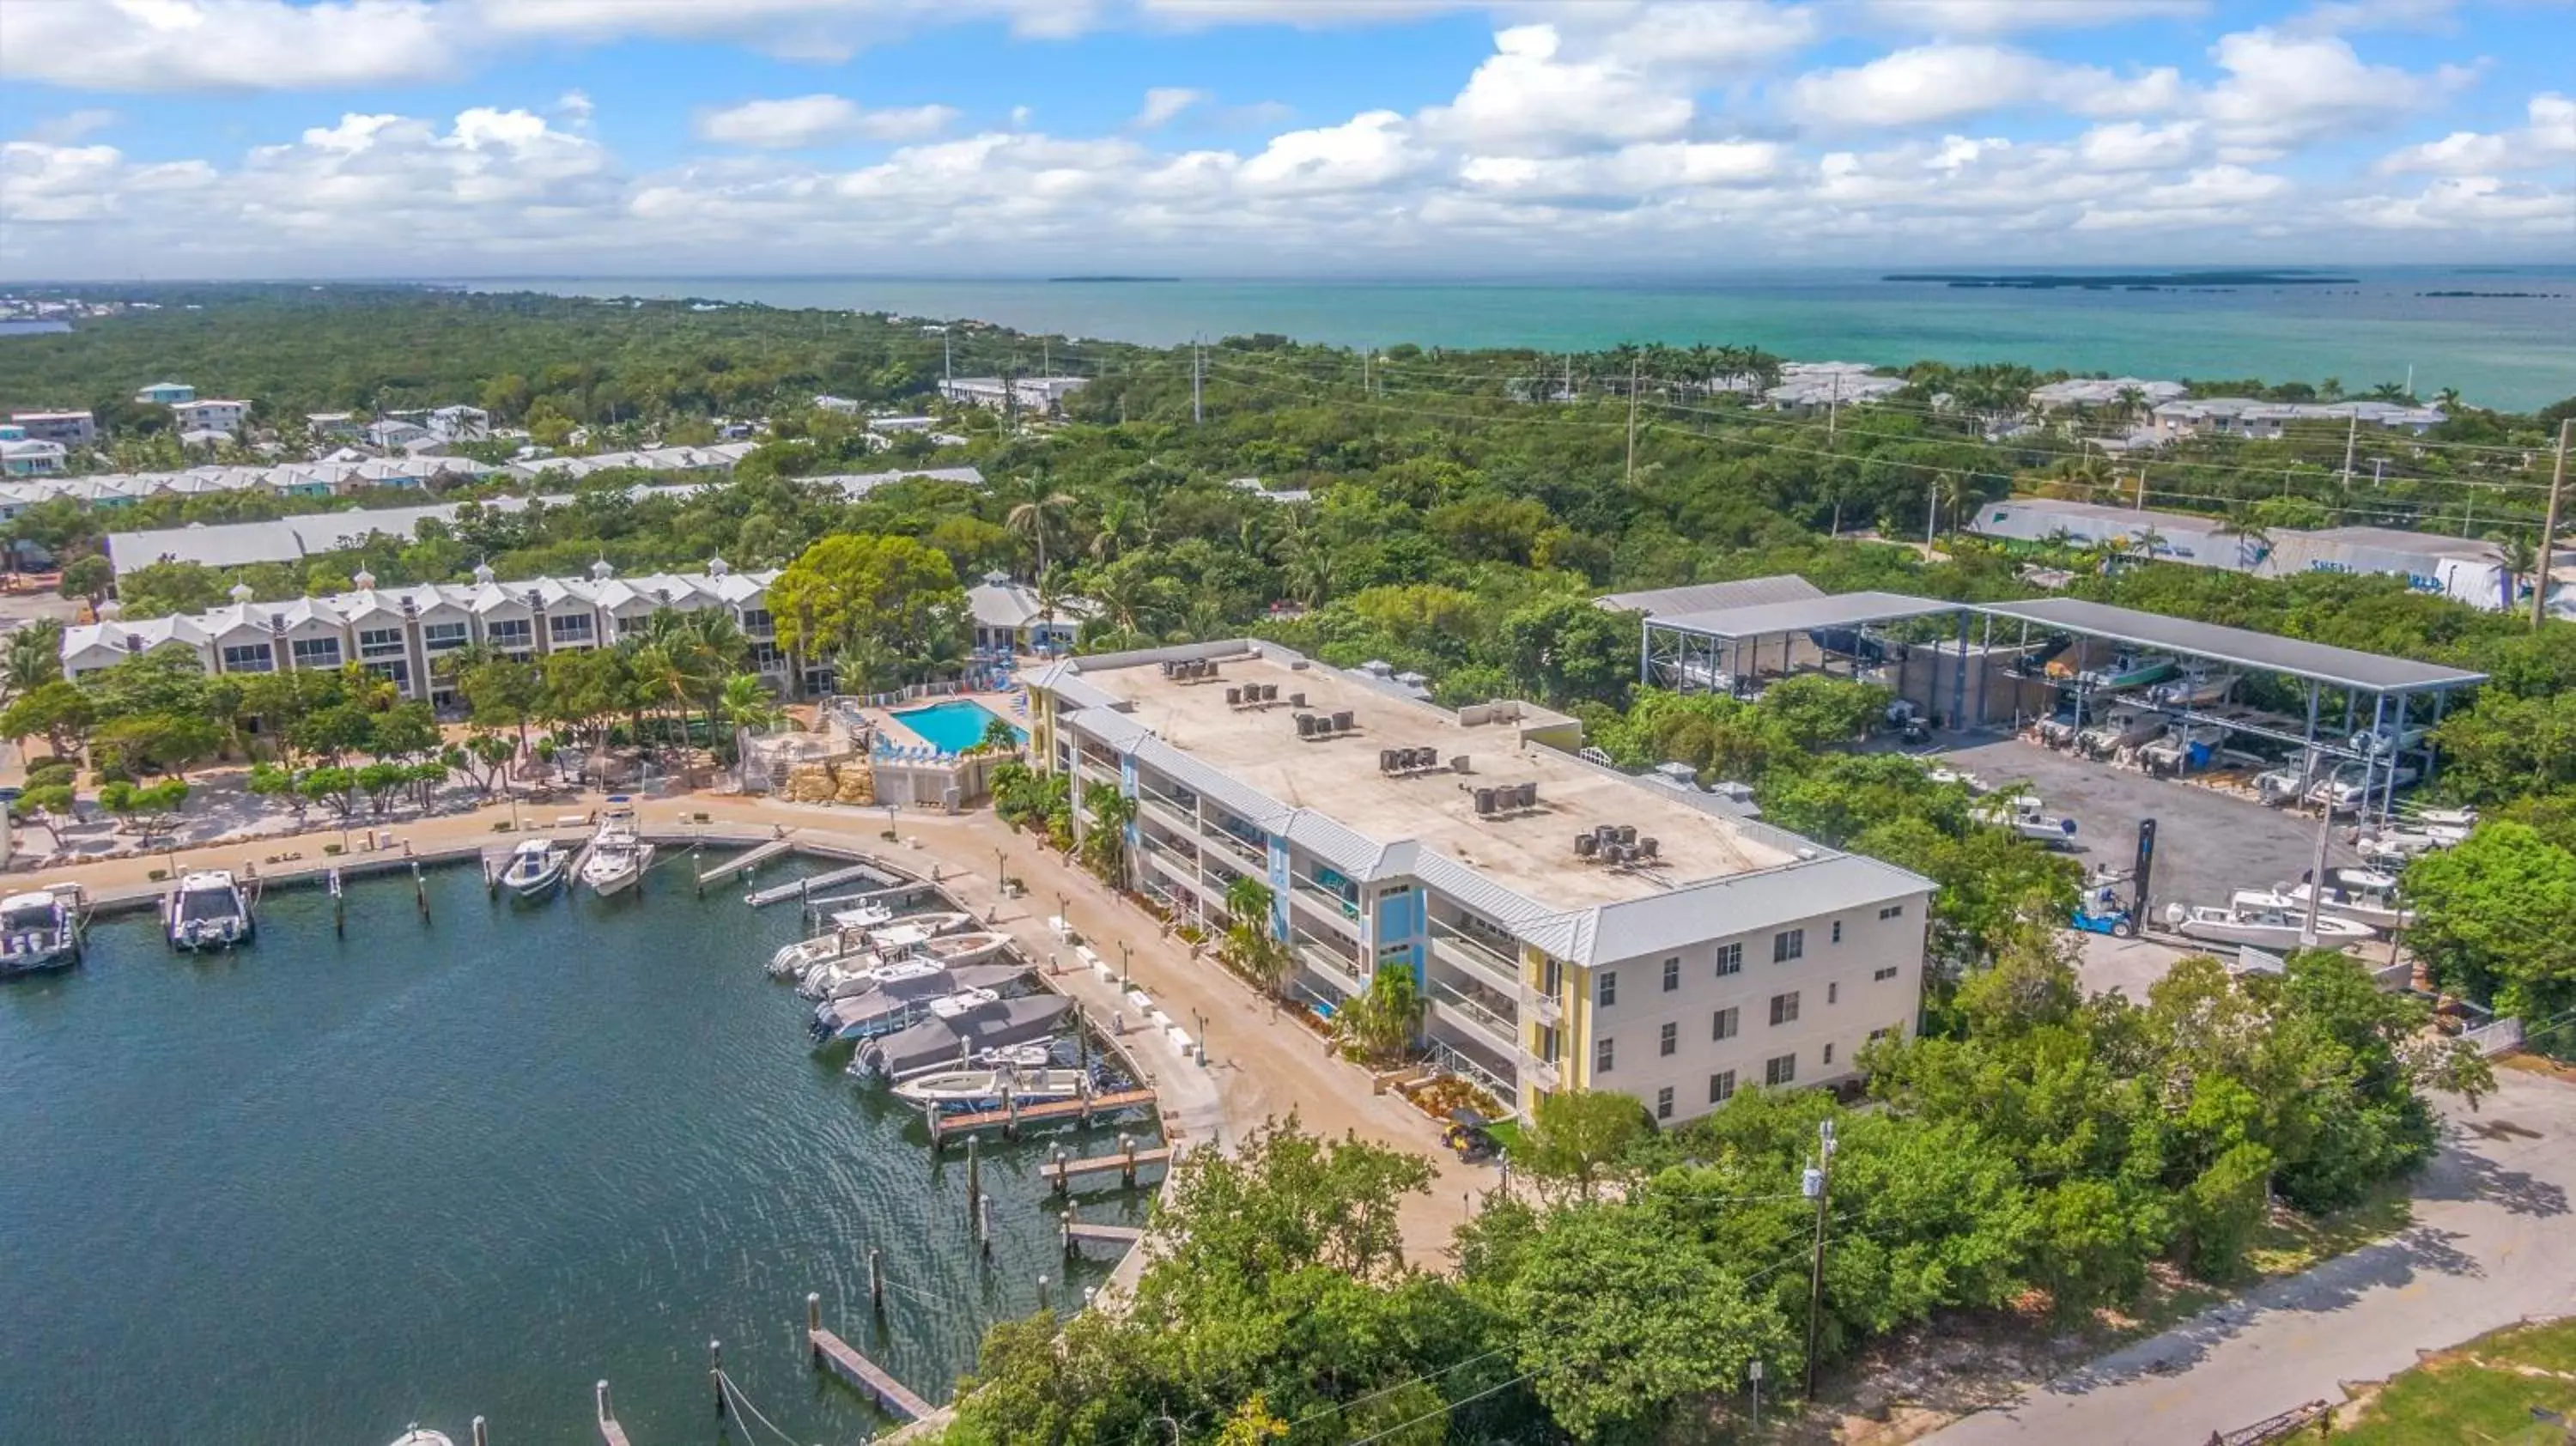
(420, 891)
(482, 1437)
(876, 1281)
(974, 1176)
(1063, 1170)
(339, 905)
(715, 1374)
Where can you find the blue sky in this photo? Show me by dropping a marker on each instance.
(1273, 137)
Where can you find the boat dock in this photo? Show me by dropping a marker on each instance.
(804, 888)
(879, 1385)
(1078, 1233)
(1011, 1116)
(744, 863)
(1062, 1171)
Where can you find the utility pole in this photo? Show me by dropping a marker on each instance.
(1833, 409)
(1046, 356)
(2351, 434)
(2142, 489)
(1931, 511)
(1818, 1182)
(2317, 869)
(2549, 526)
(1633, 365)
(1198, 412)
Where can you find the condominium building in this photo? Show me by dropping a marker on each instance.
(1570, 927)
(72, 429)
(214, 414)
(399, 633)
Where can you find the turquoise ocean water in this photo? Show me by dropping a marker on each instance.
(2513, 352)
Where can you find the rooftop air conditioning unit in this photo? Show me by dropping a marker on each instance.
(1484, 802)
(1529, 795)
(1458, 763)
(1585, 845)
(1305, 725)
(1342, 722)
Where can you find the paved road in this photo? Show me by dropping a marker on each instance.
(2492, 1242)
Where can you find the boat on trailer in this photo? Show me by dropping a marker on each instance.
(2264, 920)
(41, 930)
(208, 910)
(2364, 894)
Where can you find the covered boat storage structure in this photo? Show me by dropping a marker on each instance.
(1975, 665)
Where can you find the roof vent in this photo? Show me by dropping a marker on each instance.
(1485, 803)
(600, 571)
(365, 580)
(718, 567)
(241, 592)
(483, 574)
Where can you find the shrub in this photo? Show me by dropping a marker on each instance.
(52, 773)
(331, 848)
(157, 875)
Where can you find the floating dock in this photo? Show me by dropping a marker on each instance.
(804, 888)
(890, 1395)
(1061, 1172)
(1078, 1233)
(1016, 1115)
(741, 863)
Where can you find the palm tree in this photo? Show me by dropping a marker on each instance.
(2521, 559)
(746, 703)
(2389, 392)
(1248, 901)
(1034, 516)
(1104, 844)
(2253, 543)
(2150, 543)
(34, 658)
(2448, 399)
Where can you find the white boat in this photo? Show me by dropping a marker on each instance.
(2293, 902)
(2181, 742)
(2020, 813)
(860, 973)
(2354, 785)
(2193, 688)
(419, 1435)
(535, 867)
(795, 961)
(2364, 894)
(40, 930)
(991, 1085)
(876, 1013)
(2125, 725)
(865, 916)
(207, 911)
(618, 855)
(2268, 925)
(968, 948)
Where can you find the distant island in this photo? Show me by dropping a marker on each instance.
(1121, 279)
(2500, 295)
(2140, 281)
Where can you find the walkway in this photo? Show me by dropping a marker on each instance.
(2492, 1242)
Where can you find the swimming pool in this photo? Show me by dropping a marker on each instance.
(953, 726)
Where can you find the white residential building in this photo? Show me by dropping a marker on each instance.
(1569, 927)
(2094, 392)
(166, 394)
(27, 457)
(1806, 385)
(460, 424)
(211, 415)
(72, 429)
(1033, 394)
(2262, 421)
(400, 632)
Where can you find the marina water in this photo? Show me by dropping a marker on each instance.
(324, 1187)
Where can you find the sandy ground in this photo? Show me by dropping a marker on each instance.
(1262, 1065)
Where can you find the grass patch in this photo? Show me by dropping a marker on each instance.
(2291, 1242)
(1506, 1133)
(2486, 1390)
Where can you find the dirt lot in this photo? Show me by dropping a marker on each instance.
(2207, 843)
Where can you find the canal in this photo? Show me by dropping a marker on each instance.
(328, 1186)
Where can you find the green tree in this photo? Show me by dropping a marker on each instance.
(32, 658)
(62, 712)
(1379, 1024)
(152, 807)
(1584, 1137)
(855, 591)
(89, 578)
(2490, 918)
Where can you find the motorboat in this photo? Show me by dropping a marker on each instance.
(2351, 786)
(420, 1435)
(41, 930)
(860, 973)
(618, 855)
(2264, 920)
(969, 948)
(2123, 725)
(207, 911)
(2364, 894)
(2293, 902)
(2196, 687)
(2128, 670)
(915, 930)
(795, 961)
(2061, 728)
(940, 1043)
(885, 1007)
(2287, 783)
(866, 916)
(2183, 747)
(535, 867)
(2020, 813)
(960, 1089)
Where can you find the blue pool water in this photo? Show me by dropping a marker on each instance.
(953, 726)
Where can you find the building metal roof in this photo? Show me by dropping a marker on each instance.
(1838, 610)
(1716, 908)
(1702, 597)
(2342, 667)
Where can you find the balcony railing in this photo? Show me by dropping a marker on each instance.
(1257, 860)
(1468, 959)
(1327, 959)
(1479, 1015)
(1458, 1061)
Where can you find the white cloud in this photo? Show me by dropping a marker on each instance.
(1701, 39)
(1639, 172)
(2550, 139)
(2488, 205)
(1995, 17)
(52, 184)
(152, 45)
(2134, 146)
(2284, 90)
(71, 126)
(2210, 196)
(1527, 97)
(810, 120)
(818, 30)
(1928, 84)
(1163, 104)
(1369, 150)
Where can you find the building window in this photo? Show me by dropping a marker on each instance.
(444, 637)
(1833, 995)
(1606, 989)
(380, 643)
(317, 652)
(511, 634)
(1602, 1056)
(1664, 1103)
(756, 622)
(1838, 931)
(1547, 1043)
(1892, 911)
(569, 627)
(255, 658)
(1783, 1070)
(1669, 1040)
(1730, 959)
(1672, 974)
(1721, 1087)
(1723, 1024)
(1788, 944)
(396, 672)
(1883, 975)
(1784, 1008)
(1829, 1054)
(1876, 1035)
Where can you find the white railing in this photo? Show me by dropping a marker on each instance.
(1458, 1004)
(1457, 1061)
(1471, 960)
(2500, 1037)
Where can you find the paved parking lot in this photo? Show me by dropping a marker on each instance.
(2207, 843)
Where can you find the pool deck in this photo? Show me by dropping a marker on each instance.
(892, 726)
